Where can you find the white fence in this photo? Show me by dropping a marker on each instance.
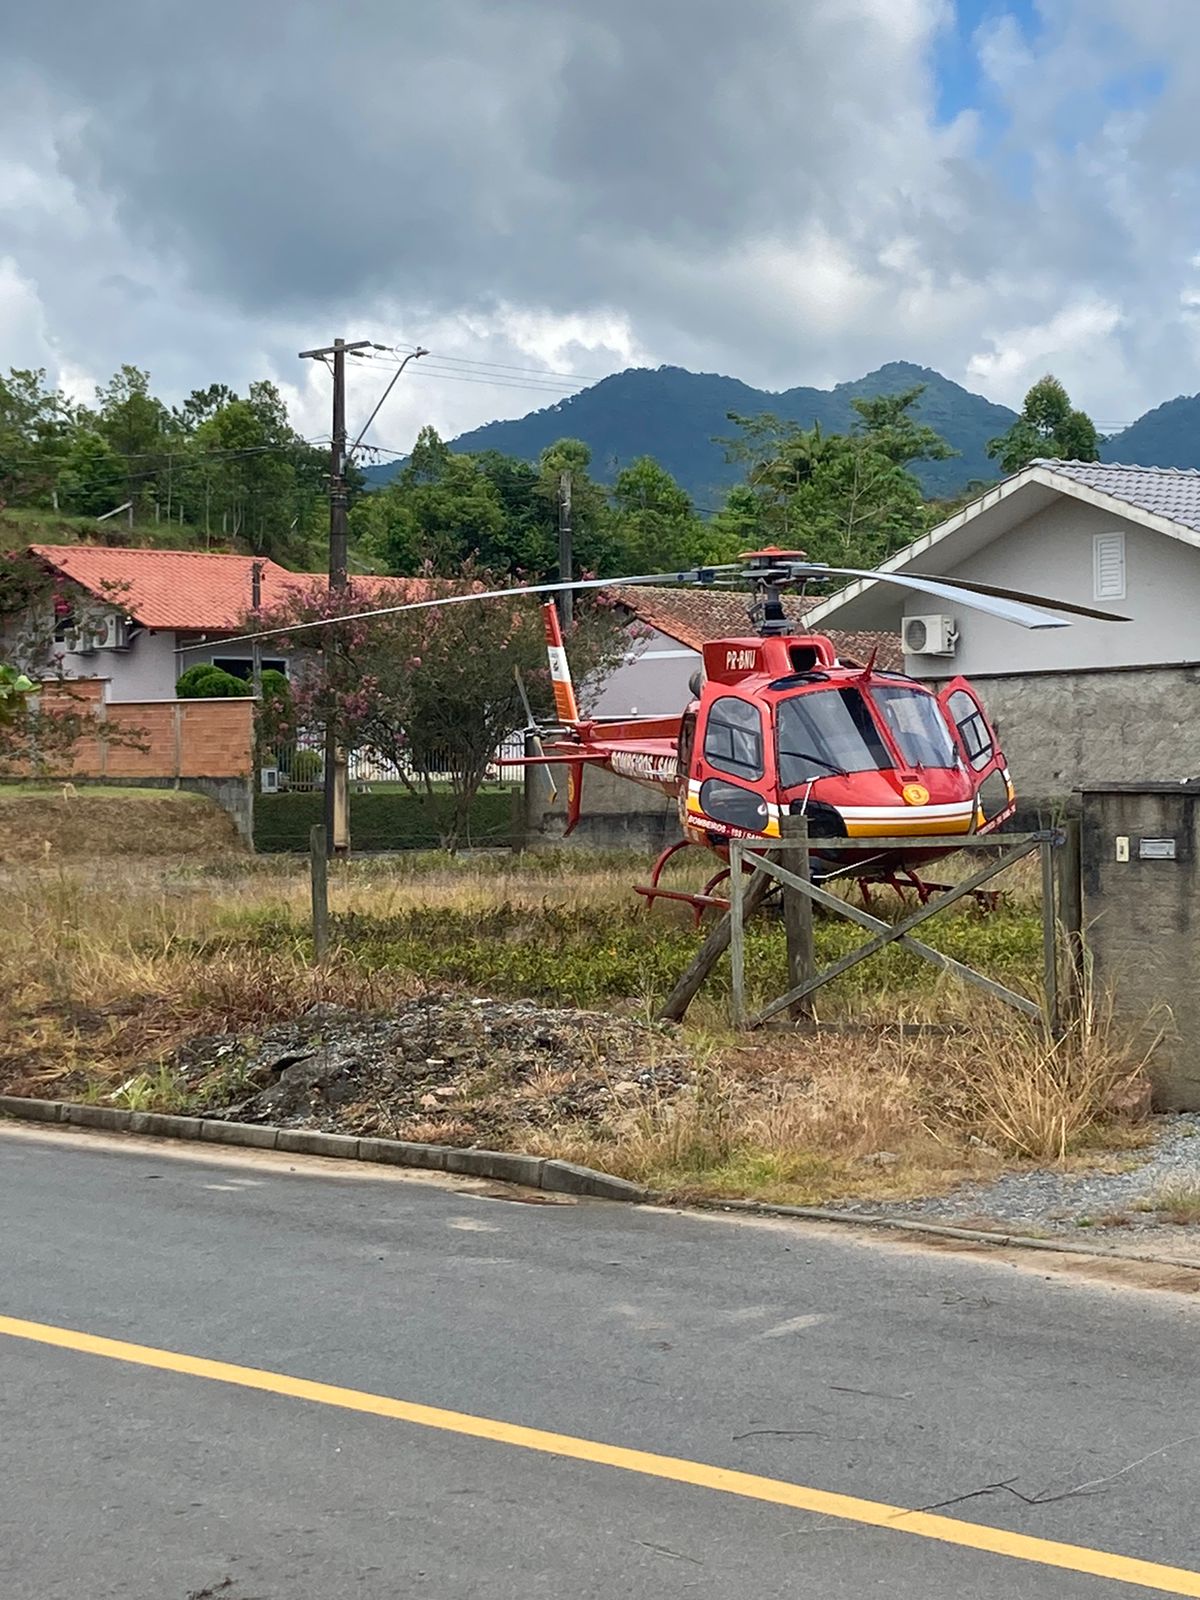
(301, 765)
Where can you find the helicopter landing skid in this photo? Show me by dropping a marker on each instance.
(907, 882)
(699, 902)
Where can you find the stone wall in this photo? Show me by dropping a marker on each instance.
(1062, 730)
(1141, 912)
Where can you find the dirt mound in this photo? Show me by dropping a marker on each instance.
(444, 1068)
(66, 822)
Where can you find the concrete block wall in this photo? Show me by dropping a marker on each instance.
(1141, 912)
(1062, 730)
(616, 814)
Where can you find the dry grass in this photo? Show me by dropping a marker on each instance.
(1176, 1201)
(110, 968)
(61, 822)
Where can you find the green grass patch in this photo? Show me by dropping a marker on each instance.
(72, 791)
(587, 954)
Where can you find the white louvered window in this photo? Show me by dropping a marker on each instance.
(1108, 564)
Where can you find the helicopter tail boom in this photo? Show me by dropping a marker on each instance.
(565, 705)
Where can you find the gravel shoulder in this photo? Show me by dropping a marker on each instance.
(1119, 1204)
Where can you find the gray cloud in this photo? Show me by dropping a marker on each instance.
(760, 189)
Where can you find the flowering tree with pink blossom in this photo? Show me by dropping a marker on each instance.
(431, 691)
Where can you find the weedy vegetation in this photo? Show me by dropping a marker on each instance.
(909, 1083)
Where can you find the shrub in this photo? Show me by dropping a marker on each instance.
(306, 766)
(206, 682)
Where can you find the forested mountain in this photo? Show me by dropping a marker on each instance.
(674, 416)
(1168, 436)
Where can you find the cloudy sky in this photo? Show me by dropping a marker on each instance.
(790, 191)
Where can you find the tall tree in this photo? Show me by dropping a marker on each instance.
(35, 423)
(1048, 426)
(654, 523)
(431, 691)
(137, 426)
(849, 499)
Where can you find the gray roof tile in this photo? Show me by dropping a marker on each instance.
(1171, 492)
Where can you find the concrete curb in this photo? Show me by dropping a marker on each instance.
(534, 1172)
(941, 1230)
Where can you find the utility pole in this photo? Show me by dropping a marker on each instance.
(566, 610)
(337, 809)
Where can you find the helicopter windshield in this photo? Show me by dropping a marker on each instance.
(915, 723)
(827, 731)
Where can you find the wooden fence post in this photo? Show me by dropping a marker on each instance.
(1050, 940)
(713, 949)
(1070, 916)
(798, 915)
(319, 871)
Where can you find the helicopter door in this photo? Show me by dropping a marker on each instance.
(732, 766)
(981, 751)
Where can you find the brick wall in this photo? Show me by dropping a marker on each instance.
(181, 738)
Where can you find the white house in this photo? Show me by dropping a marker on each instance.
(158, 612)
(1095, 702)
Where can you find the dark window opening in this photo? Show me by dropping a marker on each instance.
(915, 722)
(242, 667)
(733, 738)
(728, 802)
(687, 743)
(972, 728)
(804, 657)
(826, 733)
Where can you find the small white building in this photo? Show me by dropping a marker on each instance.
(1096, 702)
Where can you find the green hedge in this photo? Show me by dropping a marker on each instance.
(390, 820)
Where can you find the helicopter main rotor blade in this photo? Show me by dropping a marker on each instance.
(1008, 605)
(1032, 599)
(702, 575)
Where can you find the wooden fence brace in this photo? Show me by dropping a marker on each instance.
(319, 872)
(893, 932)
(798, 919)
(713, 948)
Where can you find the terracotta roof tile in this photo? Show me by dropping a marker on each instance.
(698, 616)
(189, 590)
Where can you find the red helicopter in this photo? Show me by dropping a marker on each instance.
(780, 726)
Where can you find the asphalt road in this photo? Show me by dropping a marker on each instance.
(802, 1356)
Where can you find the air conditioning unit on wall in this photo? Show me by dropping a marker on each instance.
(929, 636)
(97, 633)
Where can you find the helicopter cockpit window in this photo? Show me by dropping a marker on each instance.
(915, 722)
(824, 733)
(733, 738)
(972, 729)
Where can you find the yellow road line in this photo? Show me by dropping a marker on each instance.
(820, 1502)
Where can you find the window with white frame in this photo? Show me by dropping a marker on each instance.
(1108, 566)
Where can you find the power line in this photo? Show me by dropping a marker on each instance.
(502, 366)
